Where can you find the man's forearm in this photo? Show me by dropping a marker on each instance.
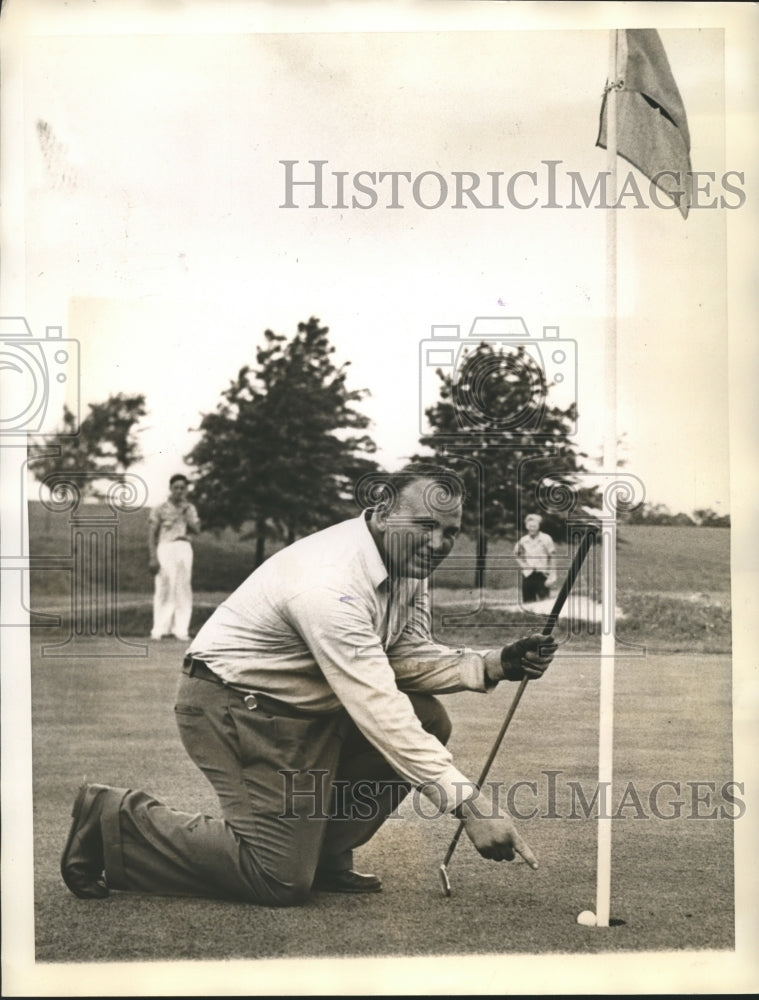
(437, 669)
(153, 542)
(192, 522)
(493, 666)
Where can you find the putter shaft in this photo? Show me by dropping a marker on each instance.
(579, 557)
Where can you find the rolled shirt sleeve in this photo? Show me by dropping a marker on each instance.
(421, 664)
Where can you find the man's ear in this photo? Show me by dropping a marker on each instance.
(380, 514)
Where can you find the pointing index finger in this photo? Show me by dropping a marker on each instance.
(521, 847)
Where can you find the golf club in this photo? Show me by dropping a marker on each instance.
(579, 557)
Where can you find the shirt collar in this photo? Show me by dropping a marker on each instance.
(370, 554)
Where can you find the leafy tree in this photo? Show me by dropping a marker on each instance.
(650, 514)
(492, 424)
(105, 446)
(683, 520)
(708, 518)
(278, 450)
(656, 514)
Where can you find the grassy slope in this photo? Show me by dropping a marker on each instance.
(651, 559)
(673, 583)
(674, 559)
(221, 562)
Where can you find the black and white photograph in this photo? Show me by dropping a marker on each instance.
(378, 532)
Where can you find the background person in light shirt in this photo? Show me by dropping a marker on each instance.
(170, 527)
(535, 554)
(317, 675)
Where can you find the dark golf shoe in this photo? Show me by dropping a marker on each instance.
(346, 881)
(82, 860)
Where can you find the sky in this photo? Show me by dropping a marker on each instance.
(154, 234)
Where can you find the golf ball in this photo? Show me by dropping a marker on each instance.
(587, 918)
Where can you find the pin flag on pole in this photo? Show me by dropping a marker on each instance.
(642, 120)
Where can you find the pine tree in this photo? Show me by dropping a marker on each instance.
(493, 425)
(279, 449)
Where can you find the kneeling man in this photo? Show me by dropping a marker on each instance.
(314, 682)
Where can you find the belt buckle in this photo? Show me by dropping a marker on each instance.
(251, 702)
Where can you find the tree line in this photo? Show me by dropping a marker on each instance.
(282, 452)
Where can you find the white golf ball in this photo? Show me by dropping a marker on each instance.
(587, 918)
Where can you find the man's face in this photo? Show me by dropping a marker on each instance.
(421, 529)
(178, 491)
(533, 526)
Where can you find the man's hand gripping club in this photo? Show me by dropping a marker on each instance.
(528, 657)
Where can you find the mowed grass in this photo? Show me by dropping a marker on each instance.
(672, 879)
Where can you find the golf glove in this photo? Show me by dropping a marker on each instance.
(527, 657)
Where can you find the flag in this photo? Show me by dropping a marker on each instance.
(652, 129)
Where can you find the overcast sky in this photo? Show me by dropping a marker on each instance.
(155, 236)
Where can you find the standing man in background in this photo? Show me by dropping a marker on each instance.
(171, 524)
(535, 552)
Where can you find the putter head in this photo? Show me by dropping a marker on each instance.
(445, 880)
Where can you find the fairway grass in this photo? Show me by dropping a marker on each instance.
(111, 720)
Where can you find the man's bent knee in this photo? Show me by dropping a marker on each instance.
(294, 894)
(266, 889)
(432, 716)
(442, 725)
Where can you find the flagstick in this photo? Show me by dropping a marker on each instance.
(608, 574)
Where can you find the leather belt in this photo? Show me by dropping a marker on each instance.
(253, 699)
